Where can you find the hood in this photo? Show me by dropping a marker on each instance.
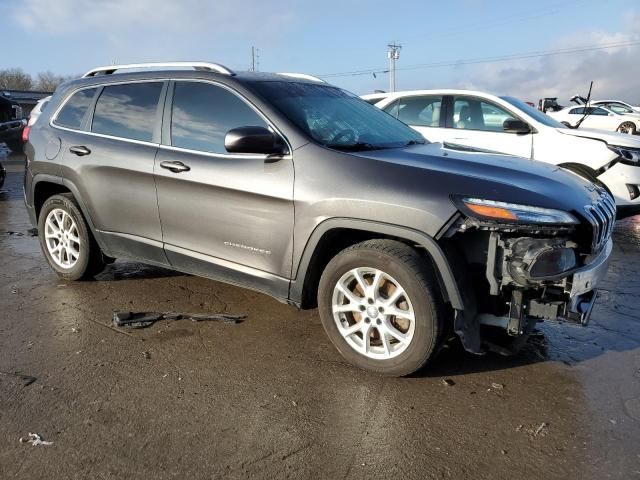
(446, 170)
(611, 138)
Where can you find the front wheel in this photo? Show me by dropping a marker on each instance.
(382, 308)
(628, 128)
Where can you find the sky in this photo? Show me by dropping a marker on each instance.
(444, 44)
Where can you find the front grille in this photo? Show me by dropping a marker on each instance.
(602, 216)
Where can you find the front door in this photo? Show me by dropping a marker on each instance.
(223, 215)
(476, 122)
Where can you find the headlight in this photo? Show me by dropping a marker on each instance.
(482, 209)
(628, 156)
(540, 259)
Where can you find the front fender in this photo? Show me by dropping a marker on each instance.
(428, 243)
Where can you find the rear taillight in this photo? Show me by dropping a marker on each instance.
(25, 133)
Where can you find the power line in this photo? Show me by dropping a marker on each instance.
(473, 61)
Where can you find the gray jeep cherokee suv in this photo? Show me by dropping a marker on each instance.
(299, 189)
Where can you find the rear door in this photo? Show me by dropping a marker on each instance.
(421, 112)
(478, 122)
(109, 156)
(223, 215)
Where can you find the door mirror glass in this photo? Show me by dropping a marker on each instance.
(258, 140)
(512, 125)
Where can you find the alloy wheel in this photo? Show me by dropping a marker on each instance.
(373, 313)
(62, 238)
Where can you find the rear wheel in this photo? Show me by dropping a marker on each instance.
(627, 127)
(382, 308)
(66, 240)
(587, 173)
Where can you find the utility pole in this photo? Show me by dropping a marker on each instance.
(393, 53)
(255, 59)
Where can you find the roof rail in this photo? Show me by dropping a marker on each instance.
(303, 76)
(110, 69)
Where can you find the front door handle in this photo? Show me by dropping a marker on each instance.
(79, 150)
(175, 167)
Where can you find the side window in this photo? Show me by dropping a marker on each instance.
(392, 109)
(475, 114)
(599, 111)
(127, 111)
(74, 110)
(577, 111)
(619, 109)
(421, 111)
(202, 114)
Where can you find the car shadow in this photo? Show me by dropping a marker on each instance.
(125, 270)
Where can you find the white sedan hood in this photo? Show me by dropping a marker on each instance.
(612, 138)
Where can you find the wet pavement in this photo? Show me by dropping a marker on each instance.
(271, 398)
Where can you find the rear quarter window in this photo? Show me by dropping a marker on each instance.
(73, 112)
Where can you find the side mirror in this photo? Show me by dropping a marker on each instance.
(258, 140)
(512, 125)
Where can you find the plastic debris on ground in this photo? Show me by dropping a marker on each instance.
(146, 319)
(34, 439)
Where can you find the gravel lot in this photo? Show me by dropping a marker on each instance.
(271, 398)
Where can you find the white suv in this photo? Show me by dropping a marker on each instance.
(507, 125)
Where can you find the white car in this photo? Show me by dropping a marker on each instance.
(37, 110)
(617, 106)
(600, 118)
(507, 125)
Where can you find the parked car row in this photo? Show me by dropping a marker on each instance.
(508, 125)
(288, 185)
(11, 123)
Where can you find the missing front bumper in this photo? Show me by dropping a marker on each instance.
(574, 303)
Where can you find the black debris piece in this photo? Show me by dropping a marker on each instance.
(26, 379)
(146, 319)
(32, 232)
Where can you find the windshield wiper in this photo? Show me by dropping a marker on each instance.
(415, 142)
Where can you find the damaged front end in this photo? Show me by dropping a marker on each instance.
(519, 265)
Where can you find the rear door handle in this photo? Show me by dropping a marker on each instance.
(175, 167)
(79, 150)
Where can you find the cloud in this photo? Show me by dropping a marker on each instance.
(615, 71)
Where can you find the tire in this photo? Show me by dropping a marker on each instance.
(588, 174)
(400, 265)
(627, 127)
(62, 209)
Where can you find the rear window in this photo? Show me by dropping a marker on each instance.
(127, 111)
(75, 109)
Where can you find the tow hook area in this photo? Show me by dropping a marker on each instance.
(580, 307)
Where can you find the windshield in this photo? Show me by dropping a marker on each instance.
(336, 118)
(619, 108)
(534, 113)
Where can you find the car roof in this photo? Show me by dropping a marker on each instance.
(446, 91)
(180, 74)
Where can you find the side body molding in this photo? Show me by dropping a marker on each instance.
(429, 244)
